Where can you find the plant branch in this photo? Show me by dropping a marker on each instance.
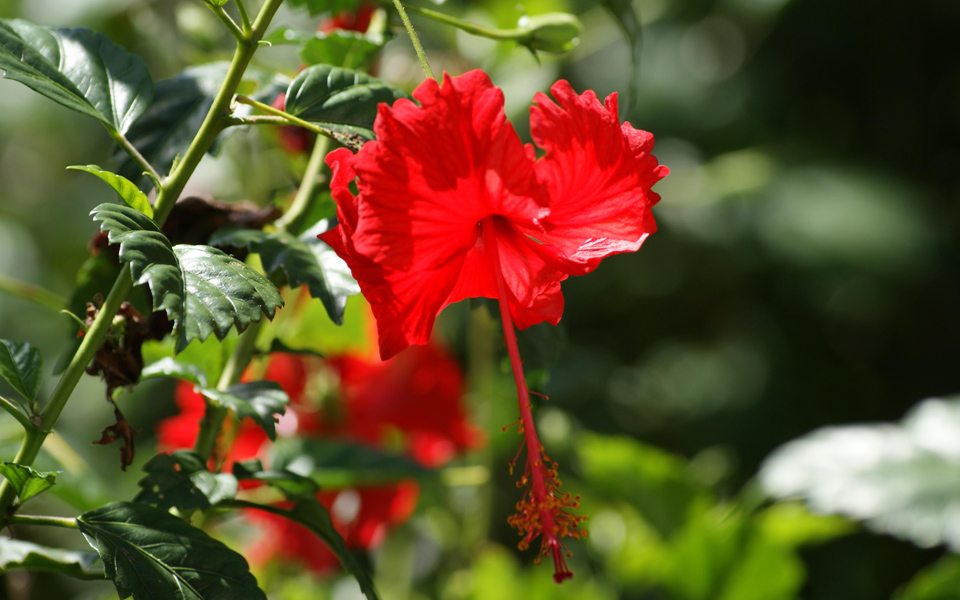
(212, 125)
(415, 40)
(11, 407)
(279, 118)
(227, 20)
(493, 34)
(65, 522)
(244, 17)
(31, 292)
(137, 157)
(308, 185)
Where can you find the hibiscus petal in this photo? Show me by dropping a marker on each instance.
(599, 174)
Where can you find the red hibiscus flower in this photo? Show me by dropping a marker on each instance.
(451, 205)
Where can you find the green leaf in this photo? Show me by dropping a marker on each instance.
(902, 478)
(77, 68)
(342, 48)
(17, 555)
(629, 22)
(333, 95)
(126, 189)
(175, 369)
(170, 123)
(262, 401)
(292, 485)
(315, 517)
(338, 464)
(27, 481)
(149, 553)
(202, 290)
(940, 581)
(181, 480)
(304, 260)
(20, 366)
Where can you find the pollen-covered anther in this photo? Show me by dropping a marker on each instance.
(546, 512)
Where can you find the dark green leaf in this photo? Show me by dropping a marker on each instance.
(27, 481)
(182, 480)
(78, 68)
(305, 260)
(202, 290)
(333, 95)
(626, 17)
(338, 464)
(350, 49)
(20, 366)
(170, 123)
(262, 401)
(279, 346)
(171, 367)
(315, 517)
(292, 485)
(131, 195)
(17, 555)
(901, 478)
(151, 554)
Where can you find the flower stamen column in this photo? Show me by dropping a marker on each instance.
(543, 511)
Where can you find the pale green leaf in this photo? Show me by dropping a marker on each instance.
(131, 195)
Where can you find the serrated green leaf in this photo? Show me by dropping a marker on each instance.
(315, 517)
(173, 368)
(202, 290)
(125, 189)
(304, 260)
(77, 68)
(149, 553)
(897, 478)
(21, 366)
(170, 123)
(262, 401)
(27, 481)
(181, 480)
(349, 49)
(334, 95)
(18, 555)
(340, 464)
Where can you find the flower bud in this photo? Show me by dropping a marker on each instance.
(554, 33)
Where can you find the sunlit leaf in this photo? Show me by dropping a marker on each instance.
(181, 480)
(175, 369)
(131, 195)
(20, 367)
(304, 260)
(19, 555)
(77, 68)
(262, 401)
(27, 481)
(149, 553)
(901, 478)
(342, 48)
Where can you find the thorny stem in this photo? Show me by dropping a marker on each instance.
(415, 40)
(172, 186)
(536, 469)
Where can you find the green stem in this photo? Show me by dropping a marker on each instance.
(415, 39)
(66, 522)
(213, 124)
(227, 20)
(213, 419)
(244, 16)
(279, 118)
(29, 291)
(14, 410)
(132, 151)
(308, 185)
(493, 34)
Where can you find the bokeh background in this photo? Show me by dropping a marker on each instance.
(804, 274)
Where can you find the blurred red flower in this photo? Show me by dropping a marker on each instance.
(358, 20)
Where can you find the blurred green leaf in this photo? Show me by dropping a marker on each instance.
(202, 290)
(27, 481)
(131, 195)
(902, 479)
(176, 369)
(149, 553)
(18, 555)
(21, 366)
(305, 260)
(626, 17)
(941, 581)
(181, 480)
(339, 464)
(791, 524)
(349, 49)
(261, 401)
(291, 484)
(77, 68)
(337, 96)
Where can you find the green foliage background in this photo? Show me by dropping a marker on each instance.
(804, 274)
